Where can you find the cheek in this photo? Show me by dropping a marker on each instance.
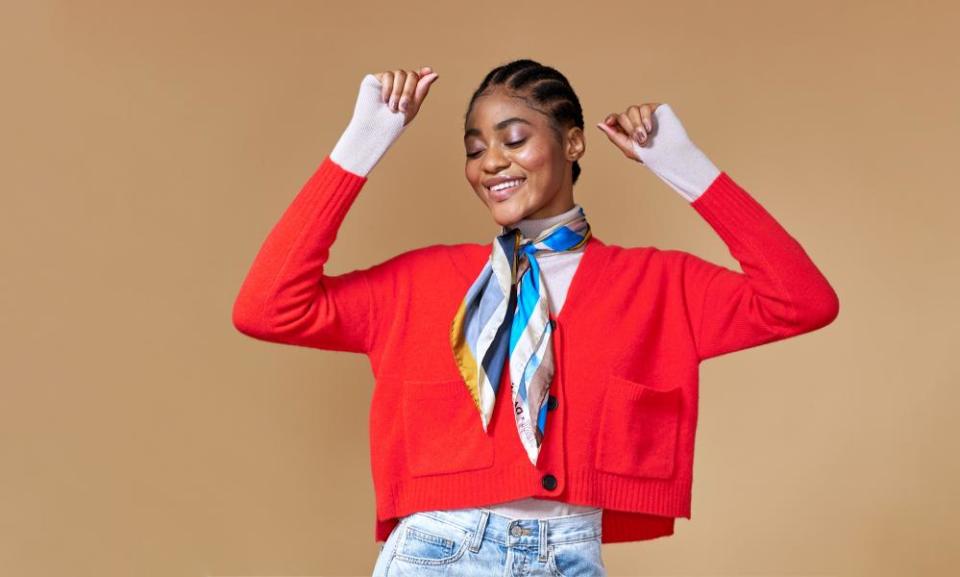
(472, 173)
(535, 158)
(531, 158)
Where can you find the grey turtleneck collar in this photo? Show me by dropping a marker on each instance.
(531, 227)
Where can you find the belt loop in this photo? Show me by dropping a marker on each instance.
(478, 532)
(543, 540)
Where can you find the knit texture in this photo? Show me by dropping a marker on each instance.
(636, 323)
(372, 130)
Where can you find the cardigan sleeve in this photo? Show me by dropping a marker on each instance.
(780, 293)
(286, 296)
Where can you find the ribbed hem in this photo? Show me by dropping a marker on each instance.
(642, 504)
(324, 201)
(617, 526)
(727, 207)
(331, 190)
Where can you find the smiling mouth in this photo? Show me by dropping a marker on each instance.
(502, 194)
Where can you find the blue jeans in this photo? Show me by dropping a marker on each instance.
(476, 542)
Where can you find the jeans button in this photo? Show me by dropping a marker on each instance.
(516, 530)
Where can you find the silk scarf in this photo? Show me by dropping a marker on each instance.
(504, 318)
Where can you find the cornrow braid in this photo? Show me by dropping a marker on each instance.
(543, 88)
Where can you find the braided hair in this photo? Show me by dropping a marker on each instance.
(543, 88)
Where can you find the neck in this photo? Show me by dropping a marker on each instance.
(532, 227)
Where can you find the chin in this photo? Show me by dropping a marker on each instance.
(508, 212)
(506, 216)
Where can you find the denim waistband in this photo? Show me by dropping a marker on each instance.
(539, 532)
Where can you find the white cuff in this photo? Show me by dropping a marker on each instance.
(373, 128)
(672, 156)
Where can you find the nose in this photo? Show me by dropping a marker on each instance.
(494, 160)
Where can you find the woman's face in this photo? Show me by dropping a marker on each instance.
(506, 139)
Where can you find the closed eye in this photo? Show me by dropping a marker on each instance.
(510, 144)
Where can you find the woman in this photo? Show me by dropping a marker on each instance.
(597, 345)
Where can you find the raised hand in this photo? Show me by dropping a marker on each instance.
(652, 135)
(631, 128)
(405, 90)
(376, 125)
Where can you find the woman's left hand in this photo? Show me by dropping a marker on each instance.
(653, 135)
(633, 126)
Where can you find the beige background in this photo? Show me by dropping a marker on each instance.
(148, 148)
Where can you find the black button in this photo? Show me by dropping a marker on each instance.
(551, 403)
(549, 482)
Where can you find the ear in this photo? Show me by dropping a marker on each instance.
(575, 144)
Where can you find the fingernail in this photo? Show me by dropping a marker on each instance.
(403, 105)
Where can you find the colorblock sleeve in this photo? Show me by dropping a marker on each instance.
(286, 296)
(780, 293)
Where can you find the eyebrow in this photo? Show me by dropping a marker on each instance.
(498, 126)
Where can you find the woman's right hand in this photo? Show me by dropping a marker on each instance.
(405, 90)
(377, 119)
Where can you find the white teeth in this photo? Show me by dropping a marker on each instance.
(507, 184)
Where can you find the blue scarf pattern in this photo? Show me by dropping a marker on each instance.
(505, 318)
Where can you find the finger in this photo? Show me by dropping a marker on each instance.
(423, 88)
(639, 132)
(646, 112)
(614, 134)
(399, 76)
(386, 85)
(407, 93)
(611, 121)
(626, 125)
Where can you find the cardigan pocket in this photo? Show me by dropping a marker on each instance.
(638, 429)
(442, 431)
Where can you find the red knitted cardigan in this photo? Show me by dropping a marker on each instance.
(634, 328)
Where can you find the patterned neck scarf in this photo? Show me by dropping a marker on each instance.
(506, 315)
